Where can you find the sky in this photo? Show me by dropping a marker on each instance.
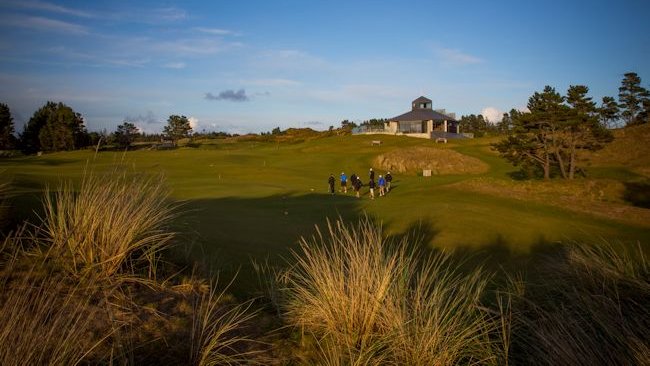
(250, 66)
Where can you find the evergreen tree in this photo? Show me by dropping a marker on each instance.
(7, 138)
(631, 96)
(609, 112)
(477, 125)
(125, 134)
(29, 140)
(177, 127)
(550, 136)
(63, 130)
(583, 130)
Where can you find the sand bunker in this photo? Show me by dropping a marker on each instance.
(439, 161)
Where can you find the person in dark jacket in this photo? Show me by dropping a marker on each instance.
(353, 178)
(331, 181)
(371, 174)
(357, 186)
(389, 178)
(371, 185)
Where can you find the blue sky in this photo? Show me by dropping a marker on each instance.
(249, 66)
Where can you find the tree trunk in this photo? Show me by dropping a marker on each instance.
(572, 162)
(547, 168)
(558, 156)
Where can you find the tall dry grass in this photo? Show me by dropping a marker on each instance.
(368, 301)
(110, 225)
(45, 317)
(216, 335)
(590, 308)
(79, 286)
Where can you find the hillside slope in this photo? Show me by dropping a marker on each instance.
(630, 149)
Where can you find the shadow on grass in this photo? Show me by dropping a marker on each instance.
(226, 235)
(41, 161)
(637, 193)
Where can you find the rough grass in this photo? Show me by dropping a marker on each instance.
(590, 307)
(109, 225)
(602, 198)
(216, 333)
(78, 287)
(439, 161)
(45, 317)
(370, 301)
(629, 149)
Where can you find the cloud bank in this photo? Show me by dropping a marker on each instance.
(229, 95)
(492, 114)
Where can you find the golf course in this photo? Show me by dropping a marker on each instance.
(237, 244)
(245, 200)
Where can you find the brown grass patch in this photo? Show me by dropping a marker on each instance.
(601, 197)
(630, 149)
(439, 161)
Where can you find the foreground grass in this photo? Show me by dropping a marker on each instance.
(80, 286)
(368, 301)
(365, 300)
(350, 295)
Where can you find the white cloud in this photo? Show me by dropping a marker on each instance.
(170, 14)
(272, 82)
(197, 46)
(44, 24)
(456, 57)
(492, 114)
(216, 31)
(45, 6)
(174, 65)
(194, 122)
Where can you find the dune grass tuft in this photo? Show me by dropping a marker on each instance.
(216, 336)
(109, 225)
(590, 308)
(370, 301)
(45, 317)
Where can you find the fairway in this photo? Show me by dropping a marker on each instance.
(252, 200)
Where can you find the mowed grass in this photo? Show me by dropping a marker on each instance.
(254, 200)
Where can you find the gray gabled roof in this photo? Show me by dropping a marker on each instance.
(422, 115)
(422, 99)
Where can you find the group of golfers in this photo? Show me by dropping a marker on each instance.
(383, 182)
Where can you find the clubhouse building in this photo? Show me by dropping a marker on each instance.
(421, 121)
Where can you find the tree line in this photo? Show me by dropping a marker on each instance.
(57, 127)
(547, 139)
(632, 108)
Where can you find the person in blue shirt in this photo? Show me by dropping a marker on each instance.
(344, 183)
(382, 185)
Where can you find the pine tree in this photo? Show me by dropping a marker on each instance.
(177, 128)
(609, 112)
(631, 96)
(7, 138)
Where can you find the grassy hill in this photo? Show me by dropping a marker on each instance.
(247, 198)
